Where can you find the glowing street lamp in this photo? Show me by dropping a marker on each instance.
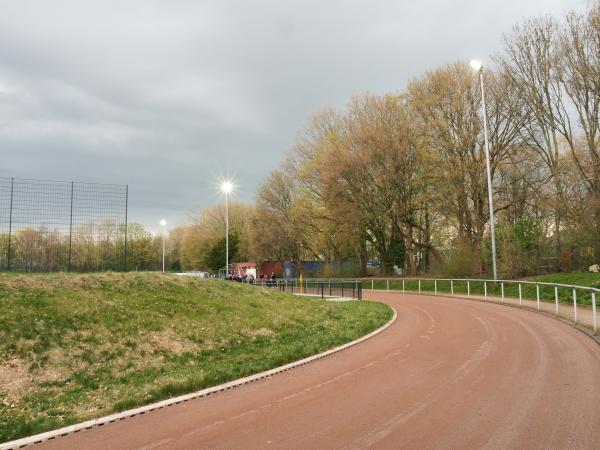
(478, 67)
(227, 187)
(163, 223)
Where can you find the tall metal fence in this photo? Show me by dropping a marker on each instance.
(60, 226)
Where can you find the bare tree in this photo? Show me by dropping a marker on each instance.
(372, 178)
(446, 104)
(531, 62)
(579, 75)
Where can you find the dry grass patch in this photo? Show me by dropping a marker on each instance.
(14, 379)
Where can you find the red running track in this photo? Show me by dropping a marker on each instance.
(449, 373)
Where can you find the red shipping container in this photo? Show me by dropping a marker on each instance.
(268, 267)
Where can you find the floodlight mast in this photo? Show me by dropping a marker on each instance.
(163, 223)
(478, 67)
(227, 188)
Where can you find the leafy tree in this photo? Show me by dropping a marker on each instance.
(198, 240)
(519, 246)
(215, 258)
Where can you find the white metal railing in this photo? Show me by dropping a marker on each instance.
(496, 290)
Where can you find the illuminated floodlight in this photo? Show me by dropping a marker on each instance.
(163, 223)
(476, 65)
(227, 186)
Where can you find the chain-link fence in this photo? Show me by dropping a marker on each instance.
(59, 226)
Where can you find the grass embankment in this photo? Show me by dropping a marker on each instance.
(74, 347)
(528, 291)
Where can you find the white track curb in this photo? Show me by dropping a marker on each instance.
(36, 439)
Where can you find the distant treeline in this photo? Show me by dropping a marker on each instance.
(91, 247)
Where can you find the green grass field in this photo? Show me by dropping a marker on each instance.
(510, 290)
(74, 347)
(575, 278)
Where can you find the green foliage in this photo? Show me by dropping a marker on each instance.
(398, 251)
(175, 266)
(576, 278)
(528, 234)
(461, 260)
(215, 258)
(393, 255)
(141, 249)
(518, 247)
(202, 246)
(40, 249)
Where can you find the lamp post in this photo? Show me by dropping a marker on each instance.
(478, 67)
(163, 223)
(226, 188)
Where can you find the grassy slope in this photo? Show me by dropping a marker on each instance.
(574, 278)
(510, 290)
(74, 347)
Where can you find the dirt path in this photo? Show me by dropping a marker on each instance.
(449, 373)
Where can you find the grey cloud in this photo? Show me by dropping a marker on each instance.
(168, 96)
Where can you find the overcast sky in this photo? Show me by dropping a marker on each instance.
(168, 96)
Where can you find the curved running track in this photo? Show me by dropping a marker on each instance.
(449, 373)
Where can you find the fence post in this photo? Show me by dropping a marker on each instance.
(126, 210)
(435, 286)
(403, 290)
(452, 287)
(537, 294)
(372, 284)
(342, 288)
(556, 299)
(12, 188)
(419, 285)
(468, 288)
(388, 284)
(575, 305)
(485, 289)
(520, 295)
(594, 311)
(502, 289)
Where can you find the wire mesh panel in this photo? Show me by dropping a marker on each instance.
(54, 225)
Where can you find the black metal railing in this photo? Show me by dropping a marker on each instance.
(351, 289)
